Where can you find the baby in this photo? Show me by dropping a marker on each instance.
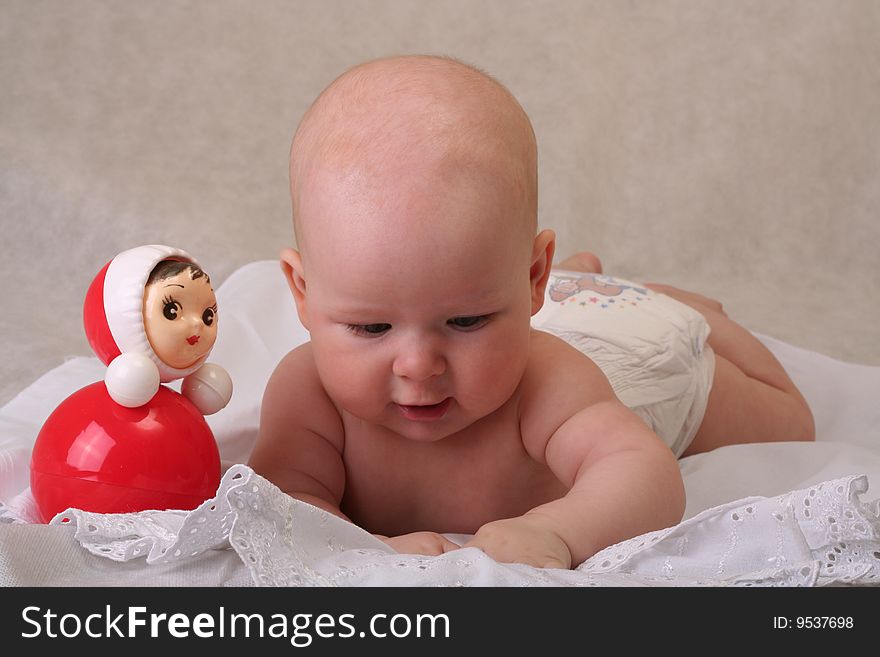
(425, 402)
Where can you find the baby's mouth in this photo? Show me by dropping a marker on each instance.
(425, 413)
(193, 339)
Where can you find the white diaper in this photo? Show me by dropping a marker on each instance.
(652, 348)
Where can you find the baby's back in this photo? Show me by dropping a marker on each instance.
(653, 349)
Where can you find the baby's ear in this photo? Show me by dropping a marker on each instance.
(291, 265)
(542, 259)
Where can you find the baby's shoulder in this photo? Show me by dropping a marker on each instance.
(297, 369)
(295, 397)
(559, 381)
(552, 358)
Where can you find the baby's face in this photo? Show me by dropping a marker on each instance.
(180, 319)
(417, 297)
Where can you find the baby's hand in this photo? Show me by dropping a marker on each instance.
(428, 543)
(522, 540)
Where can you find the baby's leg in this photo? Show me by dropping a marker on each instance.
(752, 398)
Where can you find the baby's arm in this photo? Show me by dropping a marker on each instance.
(300, 442)
(623, 480)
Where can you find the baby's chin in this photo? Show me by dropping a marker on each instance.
(421, 434)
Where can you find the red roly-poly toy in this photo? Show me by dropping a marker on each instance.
(129, 443)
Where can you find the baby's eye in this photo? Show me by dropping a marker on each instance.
(208, 316)
(170, 308)
(468, 322)
(368, 329)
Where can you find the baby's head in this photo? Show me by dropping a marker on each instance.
(414, 187)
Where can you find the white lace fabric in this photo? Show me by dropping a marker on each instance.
(818, 536)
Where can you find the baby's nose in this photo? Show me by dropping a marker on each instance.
(419, 361)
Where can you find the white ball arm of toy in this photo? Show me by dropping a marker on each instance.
(132, 379)
(209, 388)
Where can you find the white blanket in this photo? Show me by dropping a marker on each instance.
(774, 513)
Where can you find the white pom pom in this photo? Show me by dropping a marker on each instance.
(132, 379)
(209, 388)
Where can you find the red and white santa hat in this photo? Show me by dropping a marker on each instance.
(113, 313)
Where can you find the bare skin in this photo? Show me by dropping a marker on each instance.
(424, 403)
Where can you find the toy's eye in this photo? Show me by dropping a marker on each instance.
(208, 316)
(170, 309)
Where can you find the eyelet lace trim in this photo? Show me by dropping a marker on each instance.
(812, 537)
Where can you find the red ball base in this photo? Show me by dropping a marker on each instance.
(96, 455)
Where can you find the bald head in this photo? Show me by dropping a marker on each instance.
(427, 117)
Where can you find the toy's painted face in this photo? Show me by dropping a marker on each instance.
(180, 319)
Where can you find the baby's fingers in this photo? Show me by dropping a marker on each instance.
(508, 554)
(427, 543)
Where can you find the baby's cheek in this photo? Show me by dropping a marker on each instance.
(496, 366)
(350, 380)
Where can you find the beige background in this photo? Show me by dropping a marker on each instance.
(730, 147)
